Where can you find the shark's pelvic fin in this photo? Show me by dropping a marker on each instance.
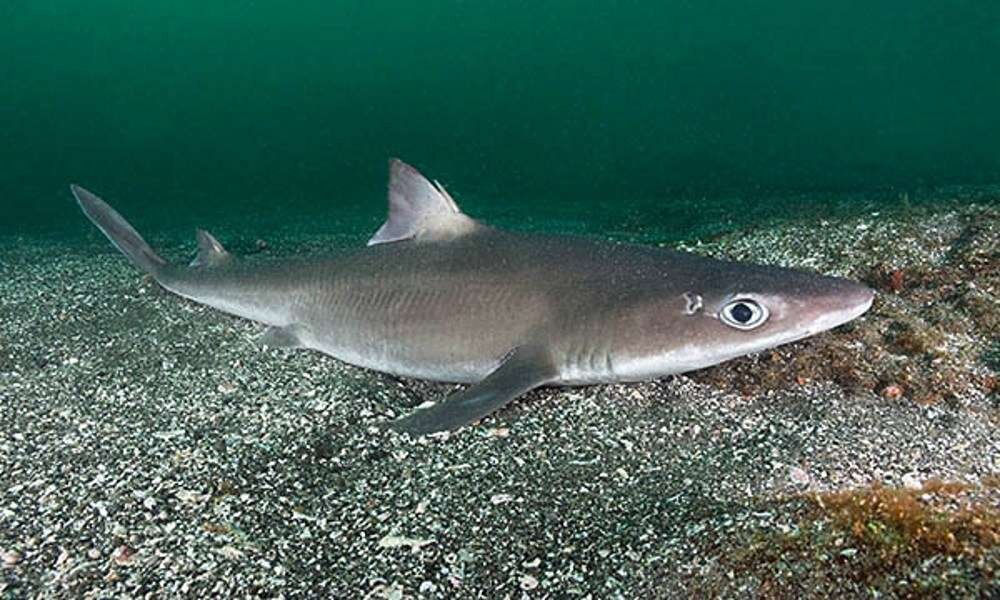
(281, 337)
(524, 369)
(419, 209)
(117, 229)
(210, 251)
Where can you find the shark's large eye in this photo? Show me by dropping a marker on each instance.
(743, 314)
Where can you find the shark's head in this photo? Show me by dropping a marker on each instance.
(754, 308)
(739, 310)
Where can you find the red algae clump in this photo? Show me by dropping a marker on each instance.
(943, 537)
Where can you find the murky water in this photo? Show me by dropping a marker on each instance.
(628, 117)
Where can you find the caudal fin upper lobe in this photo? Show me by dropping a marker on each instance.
(118, 230)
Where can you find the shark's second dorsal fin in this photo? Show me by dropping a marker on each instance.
(419, 209)
(210, 251)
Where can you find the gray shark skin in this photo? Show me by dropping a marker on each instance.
(436, 295)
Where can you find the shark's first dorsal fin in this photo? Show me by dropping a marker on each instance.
(419, 209)
(210, 251)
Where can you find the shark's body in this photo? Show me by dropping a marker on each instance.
(438, 296)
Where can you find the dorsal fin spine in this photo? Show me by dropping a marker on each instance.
(210, 251)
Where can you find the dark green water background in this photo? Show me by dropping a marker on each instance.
(571, 115)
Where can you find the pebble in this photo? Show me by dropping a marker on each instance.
(912, 481)
(124, 556)
(395, 541)
(528, 582)
(798, 476)
(892, 392)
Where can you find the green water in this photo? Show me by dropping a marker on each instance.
(592, 116)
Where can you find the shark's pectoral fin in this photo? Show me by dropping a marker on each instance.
(525, 368)
(210, 251)
(420, 209)
(281, 337)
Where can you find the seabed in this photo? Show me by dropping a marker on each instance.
(148, 446)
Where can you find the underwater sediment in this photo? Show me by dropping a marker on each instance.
(147, 445)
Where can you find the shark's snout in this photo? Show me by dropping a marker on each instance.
(845, 301)
(856, 299)
(862, 297)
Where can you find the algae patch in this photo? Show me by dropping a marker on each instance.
(940, 537)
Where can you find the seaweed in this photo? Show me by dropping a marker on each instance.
(877, 538)
(896, 525)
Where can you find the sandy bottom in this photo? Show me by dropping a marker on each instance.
(147, 445)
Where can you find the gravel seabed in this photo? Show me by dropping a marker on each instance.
(148, 447)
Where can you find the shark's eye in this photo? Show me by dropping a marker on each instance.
(743, 314)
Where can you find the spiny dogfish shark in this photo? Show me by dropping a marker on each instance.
(437, 295)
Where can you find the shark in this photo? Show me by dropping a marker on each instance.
(438, 295)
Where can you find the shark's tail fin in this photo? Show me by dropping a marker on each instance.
(117, 229)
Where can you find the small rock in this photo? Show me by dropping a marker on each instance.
(466, 556)
(231, 552)
(892, 391)
(124, 556)
(528, 582)
(896, 280)
(191, 497)
(394, 593)
(798, 476)
(395, 541)
(62, 559)
(911, 481)
(10, 558)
